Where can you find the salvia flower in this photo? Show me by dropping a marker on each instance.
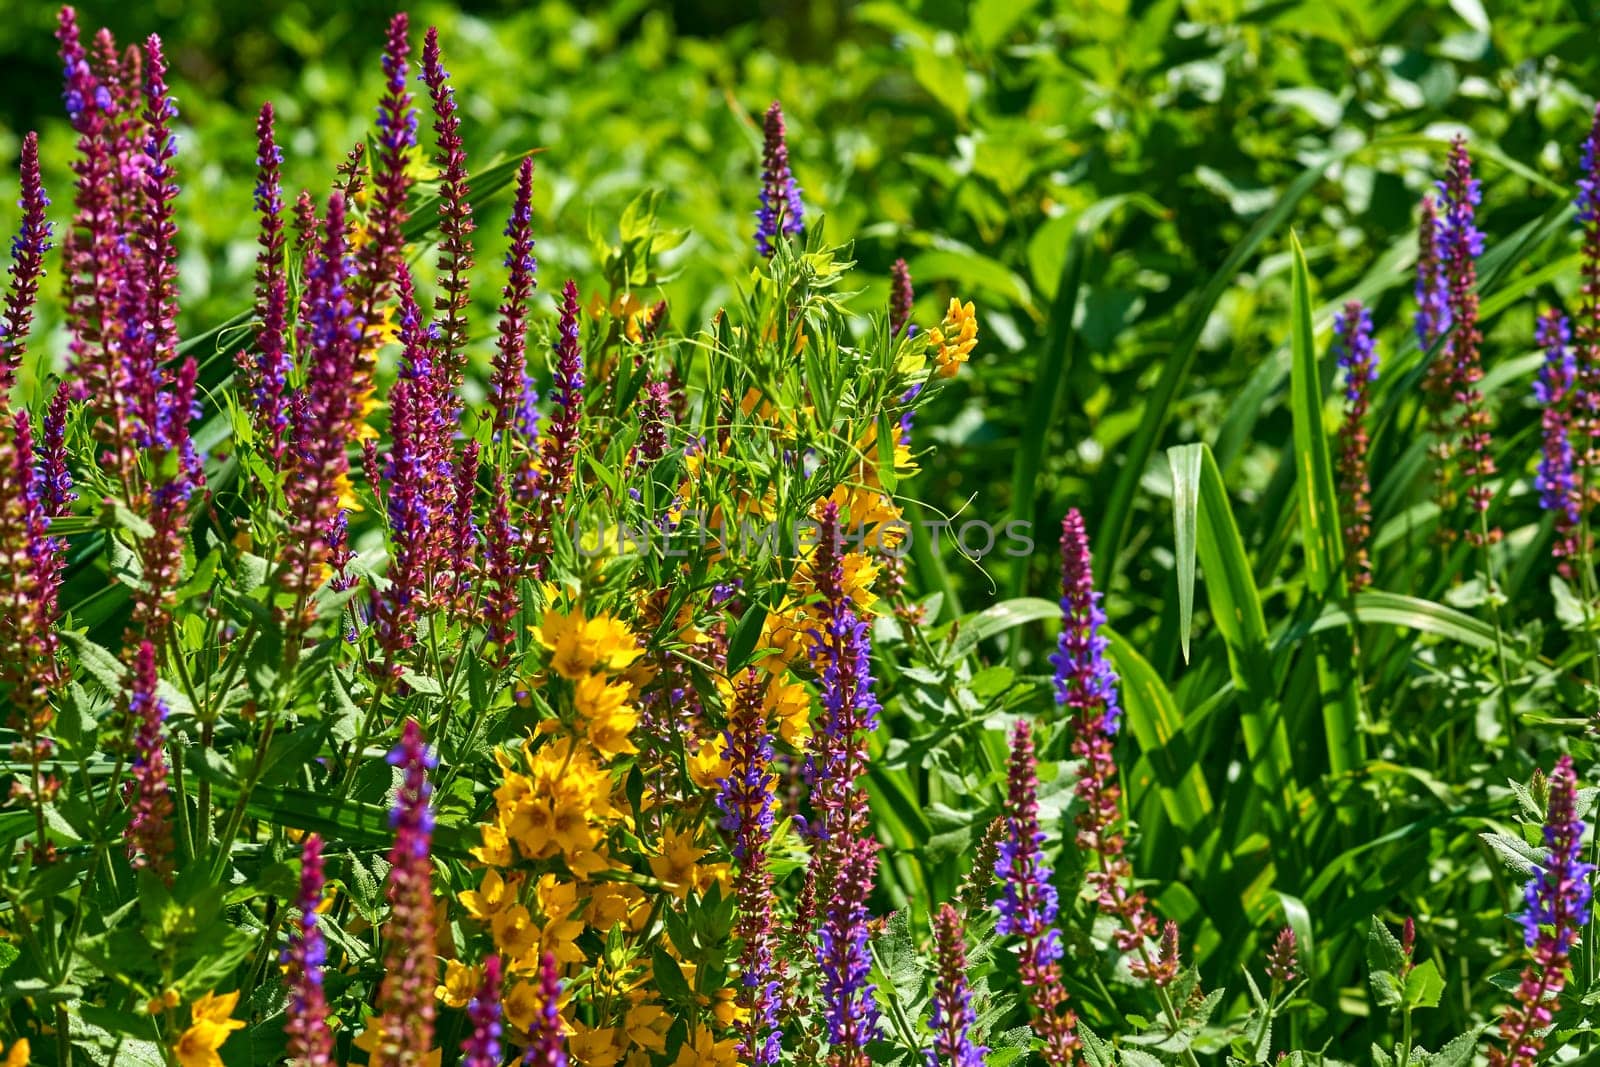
(304, 958)
(1462, 365)
(267, 375)
(149, 796)
(844, 960)
(28, 249)
(391, 172)
(1028, 903)
(781, 209)
(406, 998)
(483, 1047)
(901, 297)
(1587, 401)
(95, 252)
(548, 1045)
(509, 382)
(1433, 305)
(455, 213)
(325, 412)
(558, 456)
(953, 1017)
(502, 564)
(157, 227)
(29, 647)
(1281, 961)
(1087, 686)
(1557, 902)
(1553, 389)
(1358, 358)
(745, 799)
(56, 492)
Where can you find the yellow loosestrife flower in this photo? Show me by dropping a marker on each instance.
(209, 1026)
(954, 339)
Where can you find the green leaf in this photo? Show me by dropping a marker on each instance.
(1185, 465)
(1424, 987)
(745, 636)
(1157, 723)
(1319, 507)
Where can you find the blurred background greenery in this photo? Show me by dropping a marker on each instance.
(1111, 182)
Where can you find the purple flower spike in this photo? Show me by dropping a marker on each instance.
(149, 795)
(849, 1000)
(391, 179)
(267, 377)
(1433, 304)
(1587, 399)
(511, 347)
(1084, 679)
(900, 299)
(746, 801)
(1554, 390)
(953, 1015)
(56, 494)
(483, 1047)
(28, 248)
(304, 958)
(29, 646)
(158, 229)
(406, 1000)
(1461, 422)
(560, 445)
(1356, 354)
(502, 559)
(95, 253)
(548, 1047)
(1027, 904)
(455, 213)
(1558, 901)
(781, 209)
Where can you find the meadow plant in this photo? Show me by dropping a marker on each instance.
(338, 731)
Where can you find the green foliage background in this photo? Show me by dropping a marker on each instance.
(1114, 185)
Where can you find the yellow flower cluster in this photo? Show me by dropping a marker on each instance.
(953, 339)
(18, 1054)
(210, 1023)
(552, 867)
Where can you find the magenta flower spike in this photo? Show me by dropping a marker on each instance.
(781, 209)
(1028, 904)
(502, 562)
(149, 795)
(56, 494)
(745, 799)
(1554, 390)
(1461, 194)
(455, 213)
(266, 376)
(1587, 326)
(1558, 899)
(901, 298)
(510, 381)
(384, 253)
(559, 450)
(28, 250)
(1358, 357)
(953, 1019)
(29, 646)
(548, 1045)
(1087, 686)
(406, 998)
(483, 1047)
(304, 959)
